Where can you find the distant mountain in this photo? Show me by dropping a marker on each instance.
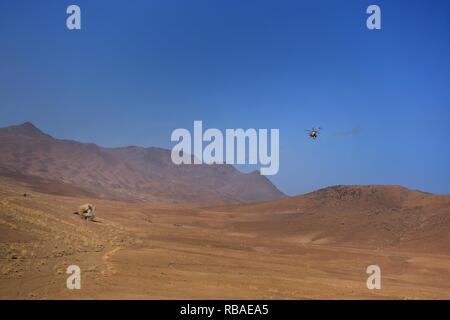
(364, 216)
(128, 173)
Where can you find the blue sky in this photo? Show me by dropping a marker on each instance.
(139, 69)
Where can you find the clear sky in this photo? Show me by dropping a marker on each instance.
(139, 69)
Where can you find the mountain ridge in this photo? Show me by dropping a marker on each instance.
(130, 172)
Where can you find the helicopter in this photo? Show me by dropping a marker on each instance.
(313, 133)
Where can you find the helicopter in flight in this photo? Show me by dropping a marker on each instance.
(313, 133)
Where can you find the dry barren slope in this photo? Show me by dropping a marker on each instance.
(364, 216)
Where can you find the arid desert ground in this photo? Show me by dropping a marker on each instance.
(308, 247)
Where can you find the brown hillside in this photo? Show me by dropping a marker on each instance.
(371, 216)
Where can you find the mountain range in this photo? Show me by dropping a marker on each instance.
(124, 173)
